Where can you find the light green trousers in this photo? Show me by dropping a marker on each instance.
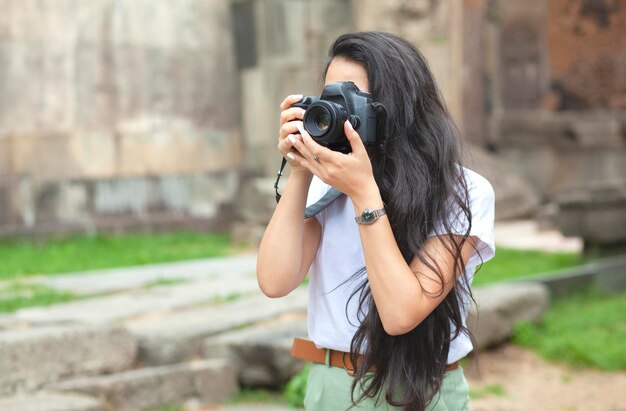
(328, 389)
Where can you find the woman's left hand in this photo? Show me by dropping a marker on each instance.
(349, 173)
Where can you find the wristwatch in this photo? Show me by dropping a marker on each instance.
(369, 216)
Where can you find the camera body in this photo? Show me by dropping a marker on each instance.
(325, 115)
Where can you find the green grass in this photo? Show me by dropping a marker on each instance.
(585, 330)
(296, 388)
(14, 296)
(166, 281)
(169, 407)
(510, 264)
(490, 390)
(257, 396)
(19, 258)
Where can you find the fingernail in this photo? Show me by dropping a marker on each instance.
(290, 156)
(349, 124)
(300, 128)
(300, 96)
(292, 139)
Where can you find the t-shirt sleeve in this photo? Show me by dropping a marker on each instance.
(482, 207)
(317, 189)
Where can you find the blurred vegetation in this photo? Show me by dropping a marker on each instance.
(296, 388)
(509, 264)
(14, 295)
(584, 330)
(257, 396)
(494, 390)
(22, 259)
(19, 258)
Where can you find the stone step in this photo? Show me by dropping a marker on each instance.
(32, 357)
(177, 337)
(501, 306)
(51, 401)
(130, 304)
(261, 354)
(118, 279)
(211, 381)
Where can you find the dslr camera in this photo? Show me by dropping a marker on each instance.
(325, 115)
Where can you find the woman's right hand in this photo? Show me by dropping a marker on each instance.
(289, 119)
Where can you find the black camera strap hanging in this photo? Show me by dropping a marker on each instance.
(319, 205)
(278, 176)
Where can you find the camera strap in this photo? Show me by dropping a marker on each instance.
(313, 209)
(322, 203)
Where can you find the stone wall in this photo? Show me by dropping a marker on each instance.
(116, 111)
(511, 72)
(435, 27)
(292, 42)
(558, 115)
(587, 53)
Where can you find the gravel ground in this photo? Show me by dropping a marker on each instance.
(510, 378)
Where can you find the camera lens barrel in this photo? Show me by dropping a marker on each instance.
(324, 121)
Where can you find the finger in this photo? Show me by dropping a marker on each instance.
(291, 143)
(285, 145)
(353, 137)
(312, 147)
(309, 160)
(288, 128)
(300, 160)
(289, 100)
(300, 146)
(290, 114)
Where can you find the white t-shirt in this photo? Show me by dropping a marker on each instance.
(340, 256)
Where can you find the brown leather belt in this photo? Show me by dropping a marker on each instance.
(306, 350)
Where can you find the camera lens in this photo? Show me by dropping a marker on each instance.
(324, 122)
(322, 119)
(319, 119)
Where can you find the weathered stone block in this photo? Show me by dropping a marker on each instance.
(51, 401)
(110, 280)
(179, 336)
(31, 357)
(6, 150)
(6, 209)
(595, 212)
(212, 381)
(106, 309)
(515, 197)
(45, 155)
(257, 200)
(501, 306)
(605, 132)
(261, 354)
(73, 202)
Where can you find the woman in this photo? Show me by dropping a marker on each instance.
(393, 294)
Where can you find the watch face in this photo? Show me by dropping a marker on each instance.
(368, 216)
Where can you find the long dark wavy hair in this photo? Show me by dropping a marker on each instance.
(422, 184)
